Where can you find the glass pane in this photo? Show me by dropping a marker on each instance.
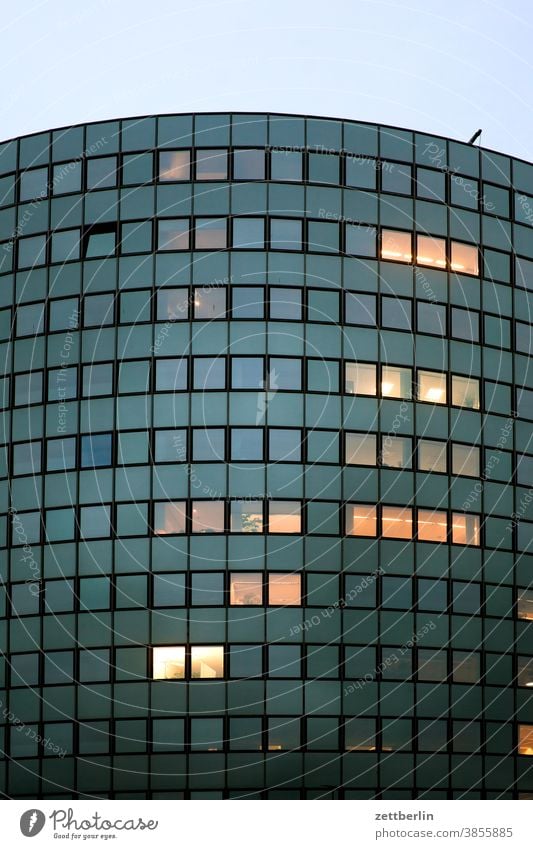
(360, 379)
(211, 164)
(248, 302)
(360, 735)
(209, 302)
(247, 443)
(61, 454)
(248, 233)
(285, 234)
(525, 604)
(207, 662)
(209, 373)
(360, 449)
(247, 373)
(361, 520)
(396, 245)
(464, 258)
(175, 165)
(465, 392)
(397, 522)
(101, 244)
(285, 165)
(431, 184)
(396, 178)
(286, 303)
(465, 529)
(95, 521)
(361, 172)
(207, 517)
(432, 387)
(246, 517)
(102, 172)
(284, 589)
(208, 444)
(396, 452)
(98, 310)
(171, 375)
(34, 184)
(173, 234)
(525, 740)
(396, 382)
(396, 313)
(431, 251)
(285, 445)
(96, 450)
(285, 373)
(360, 309)
(360, 240)
(525, 671)
(172, 304)
(210, 233)
(30, 320)
(207, 588)
(465, 460)
(284, 517)
(431, 318)
(169, 662)
(246, 588)
(432, 525)
(169, 517)
(432, 456)
(249, 164)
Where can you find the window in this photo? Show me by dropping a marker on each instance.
(98, 310)
(284, 661)
(396, 382)
(173, 234)
(465, 667)
(208, 444)
(360, 309)
(207, 588)
(465, 392)
(464, 192)
(525, 740)
(284, 517)
(396, 245)
(136, 237)
(65, 245)
(323, 168)
(169, 517)
(465, 460)
(170, 446)
(246, 588)
(284, 589)
(102, 172)
(431, 184)
(247, 443)
(464, 258)
(286, 303)
(246, 517)
(360, 449)
(207, 517)
(396, 178)
(169, 590)
(28, 388)
(432, 456)
(431, 251)
(465, 529)
(432, 387)
(101, 243)
(525, 671)
(432, 665)
(247, 373)
(207, 734)
(524, 607)
(360, 735)
(66, 178)
(34, 184)
(95, 450)
(248, 302)
(209, 373)
(137, 168)
(360, 379)
(211, 233)
(361, 172)
(95, 522)
(397, 522)
(249, 233)
(283, 733)
(286, 165)
(248, 164)
(285, 234)
(211, 164)
(396, 313)
(175, 165)
(170, 375)
(432, 525)
(361, 520)
(207, 662)
(431, 318)
(172, 304)
(97, 380)
(396, 452)
(27, 458)
(61, 454)
(31, 251)
(210, 302)
(284, 445)
(169, 662)
(285, 373)
(30, 320)
(360, 240)
(465, 325)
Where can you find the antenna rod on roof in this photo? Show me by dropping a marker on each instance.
(475, 137)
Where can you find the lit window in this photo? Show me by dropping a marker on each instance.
(360, 449)
(246, 588)
(525, 740)
(210, 233)
(360, 735)
(432, 525)
(361, 520)
(432, 387)
(464, 258)
(432, 456)
(173, 234)
(396, 452)
(525, 604)
(246, 517)
(397, 522)
(209, 302)
(207, 662)
(465, 392)
(169, 662)
(211, 164)
(396, 382)
(284, 517)
(431, 251)
(465, 460)
(525, 671)
(208, 517)
(360, 379)
(169, 517)
(284, 589)
(465, 529)
(175, 165)
(396, 245)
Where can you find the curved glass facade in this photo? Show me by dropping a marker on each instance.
(266, 513)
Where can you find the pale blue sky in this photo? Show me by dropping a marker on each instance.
(446, 66)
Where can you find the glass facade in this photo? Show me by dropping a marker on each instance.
(266, 526)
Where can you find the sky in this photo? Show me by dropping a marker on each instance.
(446, 67)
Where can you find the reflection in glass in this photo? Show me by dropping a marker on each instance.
(207, 662)
(173, 234)
(175, 165)
(169, 662)
(211, 164)
(464, 258)
(396, 245)
(525, 604)
(169, 517)
(207, 517)
(360, 449)
(210, 233)
(361, 520)
(246, 588)
(525, 671)
(246, 517)
(284, 517)
(396, 452)
(432, 455)
(431, 251)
